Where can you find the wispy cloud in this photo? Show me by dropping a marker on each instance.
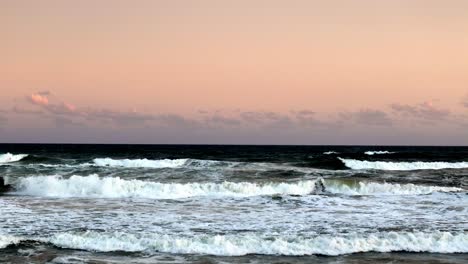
(464, 101)
(369, 117)
(218, 120)
(57, 111)
(66, 122)
(44, 93)
(121, 118)
(38, 99)
(21, 110)
(426, 111)
(3, 120)
(251, 126)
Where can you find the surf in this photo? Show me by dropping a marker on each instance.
(8, 157)
(244, 244)
(402, 166)
(93, 186)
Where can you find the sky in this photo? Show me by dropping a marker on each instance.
(234, 72)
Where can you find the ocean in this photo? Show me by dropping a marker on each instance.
(233, 204)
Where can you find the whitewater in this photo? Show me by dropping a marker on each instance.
(233, 204)
(417, 165)
(93, 186)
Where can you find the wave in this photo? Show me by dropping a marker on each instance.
(196, 164)
(94, 186)
(237, 245)
(6, 240)
(141, 163)
(8, 157)
(404, 166)
(330, 152)
(374, 188)
(370, 153)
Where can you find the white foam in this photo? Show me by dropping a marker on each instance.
(330, 152)
(237, 245)
(370, 153)
(405, 166)
(375, 188)
(95, 187)
(140, 163)
(6, 240)
(8, 157)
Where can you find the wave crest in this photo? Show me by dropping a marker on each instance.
(8, 157)
(115, 187)
(140, 163)
(378, 152)
(94, 186)
(237, 245)
(404, 166)
(6, 240)
(375, 188)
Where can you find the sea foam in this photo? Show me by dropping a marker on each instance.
(370, 153)
(114, 187)
(8, 157)
(94, 186)
(6, 240)
(140, 163)
(377, 188)
(243, 244)
(405, 166)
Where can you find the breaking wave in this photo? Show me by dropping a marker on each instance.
(195, 164)
(140, 163)
(114, 187)
(404, 166)
(237, 245)
(94, 186)
(375, 188)
(8, 157)
(370, 153)
(6, 240)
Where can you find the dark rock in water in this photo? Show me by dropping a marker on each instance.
(4, 187)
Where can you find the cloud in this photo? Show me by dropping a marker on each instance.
(219, 120)
(425, 111)
(305, 113)
(465, 101)
(3, 121)
(260, 117)
(306, 118)
(69, 107)
(121, 118)
(66, 122)
(57, 110)
(266, 120)
(38, 99)
(371, 117)
(177, 121)
(222, 124)
(44, 93)
(20, 110)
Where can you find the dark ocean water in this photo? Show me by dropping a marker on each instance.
(233, 204)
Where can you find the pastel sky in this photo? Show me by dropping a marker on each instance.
(234, 72)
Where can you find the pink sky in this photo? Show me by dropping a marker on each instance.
(253, 72)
